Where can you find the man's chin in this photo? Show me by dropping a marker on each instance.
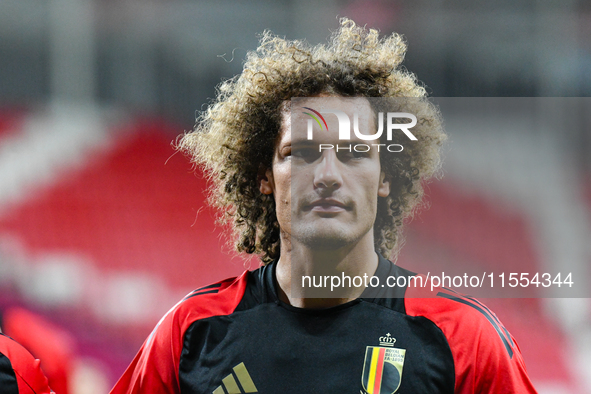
(323, 240)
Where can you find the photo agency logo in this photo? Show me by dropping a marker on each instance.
(344, 124)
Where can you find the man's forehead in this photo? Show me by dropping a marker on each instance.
(321, 112)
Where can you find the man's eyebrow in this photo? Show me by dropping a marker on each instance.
(303, 142)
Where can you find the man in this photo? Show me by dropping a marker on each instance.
(63, 371)
(314, 203)
(49, 343)
(20, 372)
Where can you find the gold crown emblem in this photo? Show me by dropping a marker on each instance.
(387, 340)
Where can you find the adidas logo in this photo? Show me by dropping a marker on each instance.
(238, 382)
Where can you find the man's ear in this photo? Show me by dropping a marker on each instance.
(384, 186)
(266, 182)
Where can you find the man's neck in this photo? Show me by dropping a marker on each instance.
(298, 261)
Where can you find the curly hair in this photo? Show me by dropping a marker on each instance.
(235, 137)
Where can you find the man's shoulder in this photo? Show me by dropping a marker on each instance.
(155, 367)
(464, 320)
(19, 369)
(220, 298)
(13, 351)
(217, 299)
(486, 355)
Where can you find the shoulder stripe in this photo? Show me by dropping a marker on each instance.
(196, 293)
(508, 336)
(490, 318)
(213, 286)
(200, 291)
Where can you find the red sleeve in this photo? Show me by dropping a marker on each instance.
(155, 369)
(486, 357)
(51, 344)
(27, 371)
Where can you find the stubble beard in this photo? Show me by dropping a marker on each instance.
(325, 237)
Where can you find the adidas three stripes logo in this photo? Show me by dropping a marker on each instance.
(237, 382)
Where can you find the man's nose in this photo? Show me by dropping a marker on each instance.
(327, 174)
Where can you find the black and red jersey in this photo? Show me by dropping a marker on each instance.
(20, 372)
(236, 336)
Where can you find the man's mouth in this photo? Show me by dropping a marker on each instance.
(327, 205)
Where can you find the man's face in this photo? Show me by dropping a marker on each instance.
(325, 199)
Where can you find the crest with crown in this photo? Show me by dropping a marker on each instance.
(387, 340)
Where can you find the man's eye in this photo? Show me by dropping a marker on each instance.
(360, 154)
(304, 153)
(301, 152)
(345, 154)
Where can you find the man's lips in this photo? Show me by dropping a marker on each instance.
(327, 205)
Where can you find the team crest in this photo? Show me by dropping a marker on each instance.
(382, 368)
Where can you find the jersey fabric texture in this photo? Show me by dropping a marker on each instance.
(20, 372)
(236, 336)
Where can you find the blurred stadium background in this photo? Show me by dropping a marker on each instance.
(103, 227)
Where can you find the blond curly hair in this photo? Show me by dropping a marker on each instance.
(235, 137)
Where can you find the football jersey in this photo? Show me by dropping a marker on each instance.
(20, 372)
(237, 336)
